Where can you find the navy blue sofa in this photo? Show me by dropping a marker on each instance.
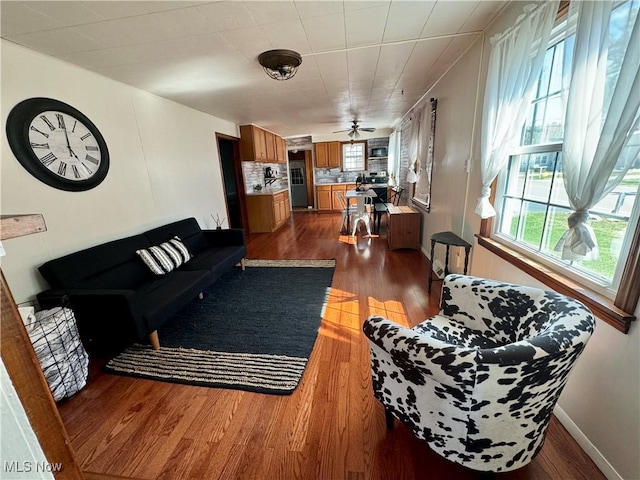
(116, 298)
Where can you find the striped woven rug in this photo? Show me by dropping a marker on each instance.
(254, 330)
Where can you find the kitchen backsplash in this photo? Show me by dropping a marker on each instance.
(254, 174)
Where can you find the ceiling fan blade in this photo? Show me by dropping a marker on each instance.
(341, 131)
(367, 129)
(352, 133)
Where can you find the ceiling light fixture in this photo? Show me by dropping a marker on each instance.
(280, 64)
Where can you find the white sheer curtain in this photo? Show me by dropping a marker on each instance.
(414, 144)
(601, 115)
(393, 160)
(515, 63)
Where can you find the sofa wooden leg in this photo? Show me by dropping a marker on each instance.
(155, 341)
(388, 415)
(242, 264)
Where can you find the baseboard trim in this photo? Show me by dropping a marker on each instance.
(589, 448)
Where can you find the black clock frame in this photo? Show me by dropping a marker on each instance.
(18, 123)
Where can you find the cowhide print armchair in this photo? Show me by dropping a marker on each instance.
(479, 381)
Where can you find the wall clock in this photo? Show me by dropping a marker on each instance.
(57, 144)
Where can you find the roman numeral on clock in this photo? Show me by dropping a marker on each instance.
(48, 159)
(91, 159)
(60, 121)
(39, 145)
(62, 169)
(76, 173)
(41, 133)
(85, 136)
(46, 120)
(91, 148)
(87, 169)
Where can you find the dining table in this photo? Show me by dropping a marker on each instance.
(360, 196)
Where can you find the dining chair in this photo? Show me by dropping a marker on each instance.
(363, 214)
(341, 201)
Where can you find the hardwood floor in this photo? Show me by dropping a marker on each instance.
(330, 428)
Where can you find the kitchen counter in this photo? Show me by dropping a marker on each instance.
(370, 185)
(366, 185)
(268, 191)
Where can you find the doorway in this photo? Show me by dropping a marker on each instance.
(233, 181)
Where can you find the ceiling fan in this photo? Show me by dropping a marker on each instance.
(354, 131)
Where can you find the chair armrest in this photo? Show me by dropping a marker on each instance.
(447, 364)
(58, 293)
(226, 237)
(100, 309)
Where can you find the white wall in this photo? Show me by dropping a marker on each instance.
(600, 405)
(164, 166)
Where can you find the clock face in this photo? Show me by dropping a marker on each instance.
(57, 144)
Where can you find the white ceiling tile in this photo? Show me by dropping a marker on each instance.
(66, 12)
(17, 18)
(365, 27)
(56, 42)
(224, 16)
(307, 9)
(122, 9)
(407, 19)
(392, 62)
(332, 65)
(425, 54)
(272, 12)
(484, 13)
(185, 21)
(448, 17)
(288, 35)
(362, 63)
(352, 5)
(325, 32)
(251, 42)
(106, 34)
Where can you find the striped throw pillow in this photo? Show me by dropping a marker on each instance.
(163, 258)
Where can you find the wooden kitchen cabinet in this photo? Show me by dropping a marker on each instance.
(281, 150)
(335, 205)
(253, 147)
(328, 154)
(267, 211)
(258, 145)
(324, 197)
(270, 146)
(327, 195)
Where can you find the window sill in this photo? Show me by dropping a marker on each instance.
(420, 205)
(601, 306)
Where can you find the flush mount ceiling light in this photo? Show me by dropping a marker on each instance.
(280, 64)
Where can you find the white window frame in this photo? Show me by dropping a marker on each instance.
(608, 290)
(361, 159)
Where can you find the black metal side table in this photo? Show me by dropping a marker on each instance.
(448, 239)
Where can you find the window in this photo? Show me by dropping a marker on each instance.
(353, 158)
(424, 167)
(532, 203)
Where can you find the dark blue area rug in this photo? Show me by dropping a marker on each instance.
(254, 330)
